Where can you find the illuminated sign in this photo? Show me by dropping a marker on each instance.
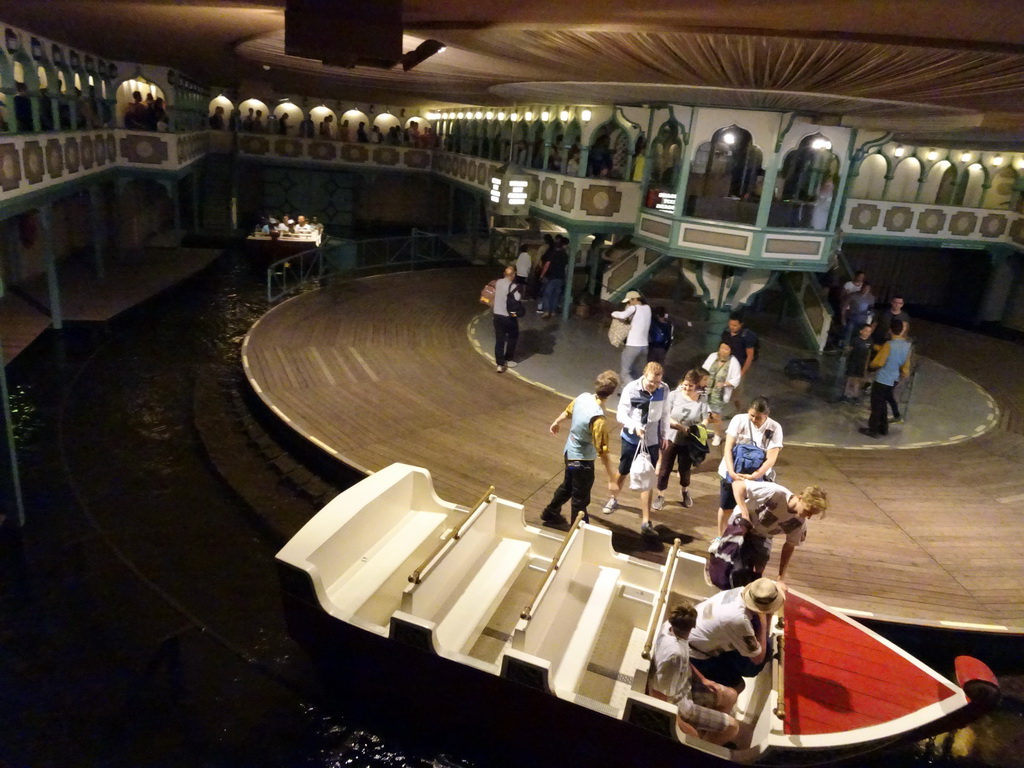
(666, 202)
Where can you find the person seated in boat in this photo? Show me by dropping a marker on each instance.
(730, 639)
(587, 440)
(771, 510)
(703, 706)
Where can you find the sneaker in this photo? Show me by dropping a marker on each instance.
(658, 504)
(553, 519)
(687, 501)
(610, 506)
(511, 364)
(716, 440)
(501, 369)
(648, 531)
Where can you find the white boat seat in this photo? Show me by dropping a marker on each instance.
(577, 651)
(364, 578)
(481, 597)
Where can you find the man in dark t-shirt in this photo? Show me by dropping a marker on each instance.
(743, 343)
(553, 277)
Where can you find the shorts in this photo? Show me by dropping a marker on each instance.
(726, 499)
(705, 719)
(629, 453)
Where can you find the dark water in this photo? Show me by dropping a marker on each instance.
(139, 617)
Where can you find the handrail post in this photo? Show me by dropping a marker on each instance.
(660, 598)
(527, 613)
(453, 535)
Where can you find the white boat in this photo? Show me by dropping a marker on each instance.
(533, 644)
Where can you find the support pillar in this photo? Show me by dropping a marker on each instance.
(12, 506)
(194, 183)
(50, 257)
(723, 290)
(172, 191)
(99, 231)
(570, 271)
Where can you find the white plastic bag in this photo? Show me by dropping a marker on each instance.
(641, 471)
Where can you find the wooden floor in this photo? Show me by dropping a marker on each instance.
(381, 370)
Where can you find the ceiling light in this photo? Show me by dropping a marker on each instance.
(461, 115)
(501, 115)
(528, 116)
(997, 160)
(266, 67)
(586, 114)
(966, 157)
(545, 115)
(933, 155)
(514, 116)
(490, 115)
(898, 152)
(729, 138)
(563, 115)
(478, 114)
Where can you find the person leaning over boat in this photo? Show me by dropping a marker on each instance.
(770, 510)
(587, 440)
(730, 639)
(703, 705)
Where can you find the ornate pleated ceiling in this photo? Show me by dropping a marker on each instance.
(950, 68)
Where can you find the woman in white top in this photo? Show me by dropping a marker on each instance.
(724, 375)
(634, 354)
(750, 428)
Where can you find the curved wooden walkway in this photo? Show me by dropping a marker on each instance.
(381, 370)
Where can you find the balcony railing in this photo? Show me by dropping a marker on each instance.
(566, 197)
(941, 223)
(34, 162)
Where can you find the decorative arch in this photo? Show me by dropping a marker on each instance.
(665, 154)
(723, 181)
(870, 180)
(970, 189)
(939, 184)
(1001, 192)
(536, 144)
(905, 181)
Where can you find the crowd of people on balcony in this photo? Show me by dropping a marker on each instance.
(149, 114)
(254, 121)
(90, 112)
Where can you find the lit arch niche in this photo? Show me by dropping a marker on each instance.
(806, 185)
(663, 179)
(726, 177)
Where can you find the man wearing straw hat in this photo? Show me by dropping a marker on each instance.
(730, 639)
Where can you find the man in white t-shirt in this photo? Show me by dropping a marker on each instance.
(634, 354)
(523, 266)
(702, 705)
(750, 428)
(772, 510)
(730, 640)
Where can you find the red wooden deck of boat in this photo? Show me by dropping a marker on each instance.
(838, 677)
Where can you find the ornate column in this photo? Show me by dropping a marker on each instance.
(50, 259)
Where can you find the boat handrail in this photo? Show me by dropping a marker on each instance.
(453, 535)
(779, 672)
(556, 562)
(659, 602)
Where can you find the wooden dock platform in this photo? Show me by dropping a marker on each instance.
(381, 369)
